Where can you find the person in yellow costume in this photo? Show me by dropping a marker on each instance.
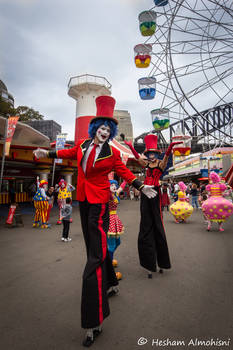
(181, 209)
(63, 193)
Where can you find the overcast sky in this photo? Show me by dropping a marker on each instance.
(45, 42)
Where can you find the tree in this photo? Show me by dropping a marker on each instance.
(25, 113)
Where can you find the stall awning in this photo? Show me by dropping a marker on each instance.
(123, 149)
(184, 172)
(25, 135)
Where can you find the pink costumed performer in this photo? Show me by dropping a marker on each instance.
(216, 208)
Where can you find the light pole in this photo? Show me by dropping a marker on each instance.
(3, 154)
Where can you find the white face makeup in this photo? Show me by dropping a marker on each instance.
(113, 188)
(152, 157)
(103, 133)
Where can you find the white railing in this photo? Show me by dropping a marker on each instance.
(88, 78)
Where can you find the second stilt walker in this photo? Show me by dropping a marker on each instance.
(152, 242)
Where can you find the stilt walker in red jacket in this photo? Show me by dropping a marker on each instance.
(95, 160)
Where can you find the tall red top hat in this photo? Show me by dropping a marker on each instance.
(105, 108)
(151, 143)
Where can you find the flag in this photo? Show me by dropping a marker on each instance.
(60, 144)
(12, 122)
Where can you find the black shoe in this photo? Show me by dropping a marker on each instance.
(160, 270)
(97, 332)
(88, 341)
(112, 293)
(149, 275)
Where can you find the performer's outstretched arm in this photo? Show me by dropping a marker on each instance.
(70, 153)
(164, 161)
(137, 156)
(121, 187)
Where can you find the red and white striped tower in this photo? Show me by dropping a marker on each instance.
(84, 89)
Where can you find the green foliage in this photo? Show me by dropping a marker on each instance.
(25, 113)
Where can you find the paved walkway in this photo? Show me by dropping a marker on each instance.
(40, 288)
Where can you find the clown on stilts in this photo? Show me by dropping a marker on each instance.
(41, 205)
(116, 228)
(216, 208)
(95, 160)
(181, 209)
(152, 242)
(63, 193)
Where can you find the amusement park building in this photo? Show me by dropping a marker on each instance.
(196, 167)
(124, 125)
(49, 128)
(5, 94)
(21, 169)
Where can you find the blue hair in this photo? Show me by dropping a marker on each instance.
(114, 182)
(94, 126)
(147, 154)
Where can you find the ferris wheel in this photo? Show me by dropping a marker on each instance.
(189, 48)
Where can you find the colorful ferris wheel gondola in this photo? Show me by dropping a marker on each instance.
(147, 88)
(147, 22)
(161, 2)
(142, 55)
(184, 148)
(160, 118)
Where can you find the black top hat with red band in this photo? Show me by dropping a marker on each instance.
(151, 141)
(105, 108)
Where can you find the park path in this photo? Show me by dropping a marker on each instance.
(40, 288)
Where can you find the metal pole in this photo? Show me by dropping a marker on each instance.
(54, 165)
(3, 155)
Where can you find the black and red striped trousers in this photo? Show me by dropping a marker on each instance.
(98, 275)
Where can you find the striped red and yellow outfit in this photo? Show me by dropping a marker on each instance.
(41, 205)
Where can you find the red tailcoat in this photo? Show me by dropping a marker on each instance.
(95, 186)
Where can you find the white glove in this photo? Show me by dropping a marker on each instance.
(40, 153)
(149, 191)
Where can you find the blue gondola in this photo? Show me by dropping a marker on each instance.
(161, 2)
(147, 88)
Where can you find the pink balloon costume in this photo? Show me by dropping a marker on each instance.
(216, 208)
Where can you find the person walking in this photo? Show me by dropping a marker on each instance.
(66, 212)
(95, 160)
(194, 194)
(165, 196)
